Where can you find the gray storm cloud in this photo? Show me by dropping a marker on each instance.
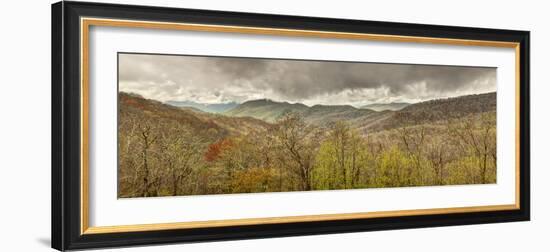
(225, 79)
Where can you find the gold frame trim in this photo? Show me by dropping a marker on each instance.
(85, 24)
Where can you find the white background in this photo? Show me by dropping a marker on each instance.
(25, 125)
(106, 210)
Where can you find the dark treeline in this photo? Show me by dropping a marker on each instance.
(161, 154)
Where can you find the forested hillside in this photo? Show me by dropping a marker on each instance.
(438, 111)
(266, 146)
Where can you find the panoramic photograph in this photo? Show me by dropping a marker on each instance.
(200, 125)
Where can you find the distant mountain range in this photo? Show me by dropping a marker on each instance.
(394, 106)
(271, 111)
(258, 115)
(211, 108)
(277, 107)
(428, 111)
(266, 110)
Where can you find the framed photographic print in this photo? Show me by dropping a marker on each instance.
(181, 125)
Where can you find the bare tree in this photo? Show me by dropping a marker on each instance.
(438, 154)
(477, 137)
(413, 139)
(180, 151)
(147, 138)
(299, 142)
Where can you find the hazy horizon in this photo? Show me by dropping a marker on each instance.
(222, 80)
(356, 106)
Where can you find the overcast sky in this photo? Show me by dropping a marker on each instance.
(224, 79)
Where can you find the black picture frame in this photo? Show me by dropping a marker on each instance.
(66, 114)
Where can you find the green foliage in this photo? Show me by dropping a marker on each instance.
(342, 159)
